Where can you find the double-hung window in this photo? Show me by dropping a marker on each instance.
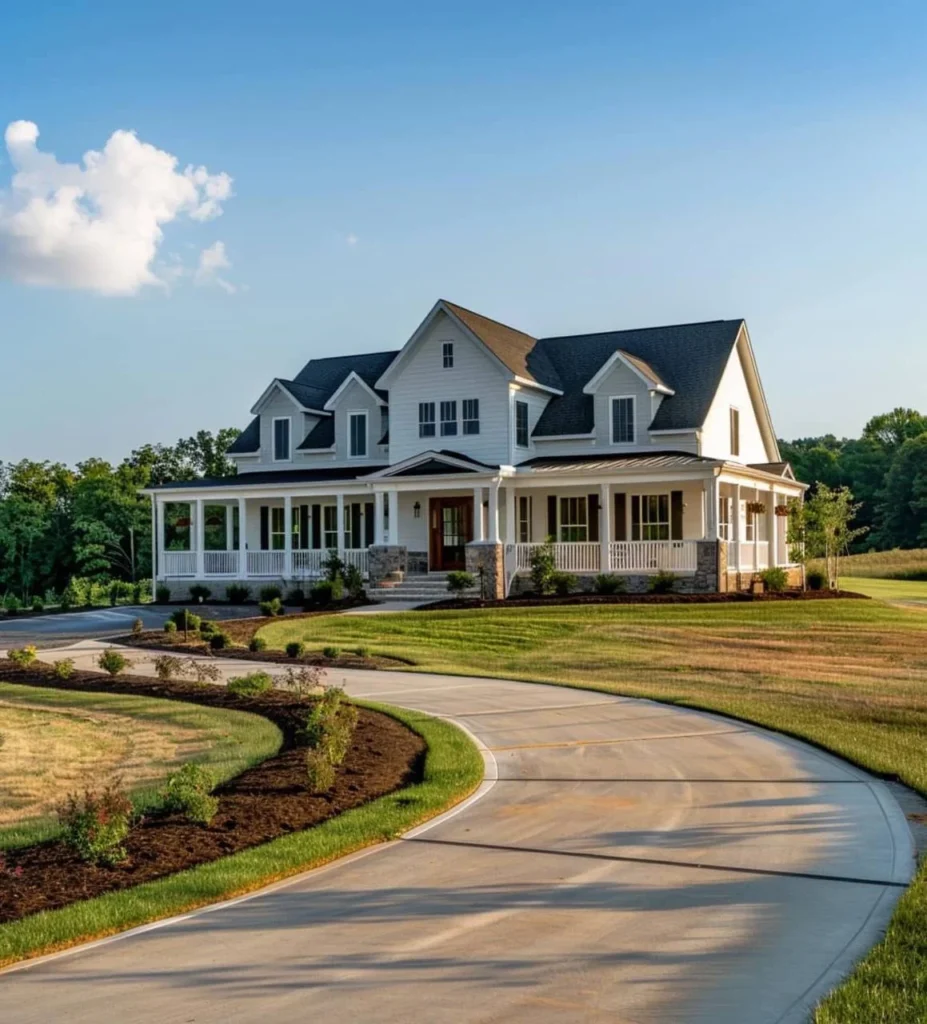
(357, 435)
(330, 526)
(521, 424)
(277, 528)
(735, 432)
(650, 517)
(447, 355)
(426, 419)
(724, 518)
(525, 515)
(471, 415)
(623, 420)
(448, 419)
(282, 439)
(574, 521)
(748, 519)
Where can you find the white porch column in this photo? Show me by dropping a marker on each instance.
(509, 537)
(478, 533)
(737, 527)
(605, 527)
(229, 528)
(712, 525)
(379, 534)
(392, 509)
(288, 536)
(494, 513)
(340, 523)
(242, 541)
(155, 517)
(773, 529)
(200, 538)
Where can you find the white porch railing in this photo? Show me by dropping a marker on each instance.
(220, 563)
(308, 563)
(179, 563)
(266, 563)
(652, 555)
(571, 557)
(754, 555)
(357, 557)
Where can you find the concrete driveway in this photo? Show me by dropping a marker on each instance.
(626, 861)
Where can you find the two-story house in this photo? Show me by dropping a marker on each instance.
(635, 451)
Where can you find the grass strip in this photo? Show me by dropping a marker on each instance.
(453, 769)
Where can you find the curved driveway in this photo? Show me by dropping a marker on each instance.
(633, 862)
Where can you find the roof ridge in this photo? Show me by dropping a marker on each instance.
(639, 330)
(354, 355)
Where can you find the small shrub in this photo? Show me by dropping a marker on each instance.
(331, 652)
(663, 583)
(295, 649)
(296, 597)
(38, 605)
(816, 580)
(320, 772)
(257, 643)
(138, 627)
(203, 672)
(185, 619)
(188, 792)
(333, 566)
(543, 568)
(170, 626)
(219, 641)
(167, 667)
(63, 669)
(200, 593)
(22, 656)
(564, 583)
(237, 593)
(252, 685)
(608, 583)
(302, 681)
(353, 581)
(362, 652)
(12, 605)
(270, 593)
(96, 824)
(113, 662)
(775, 579)
(162, 595)
(137, 592)
(207, 628)
(459, 581)
(271, 608)
(321, 593)
(330, 725)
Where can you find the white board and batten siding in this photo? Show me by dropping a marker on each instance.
(716, 432)
(423, 378)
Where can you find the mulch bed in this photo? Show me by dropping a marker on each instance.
(261, 804)
(533, 601)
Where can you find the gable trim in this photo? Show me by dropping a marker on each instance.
(744, 348)
(433, 455)
(352, 377)
(620, 356)
(525, 383)
(277, 385)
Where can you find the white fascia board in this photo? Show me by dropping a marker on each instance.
(678, 430)
(352, 377)
(414, 460)
(563, 437)
(731, 473)
(276, 385)
(525, 383)
(755, 387)
(618, 357)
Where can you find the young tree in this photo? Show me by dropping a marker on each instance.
(820, 527)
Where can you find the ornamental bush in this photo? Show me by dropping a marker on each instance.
(302, 681)
(322, 593)
(331, 652)
(663, 583)
(775, 579)
(38, 605)
(22, 656)
(167, 667)
(334, 566)
(543, 567)
(170, 626)
(270, 593)
(113, 662)
(163, 595)
(188, 792)
(138, 627)
(252, 685)
(320, 772)
(459, 581)
(329, 729)
(207, 628)
(271, 607)
(564, 583)
(63, 669)
(353, 581)
(237, 593)
(816, 579)
(199, 592)
(203, 672)
(295, 649)
(295, 597)
(608, 583)
(96, 823)
(183, 618)
(257, 643)
(12, 605)
(219, 641)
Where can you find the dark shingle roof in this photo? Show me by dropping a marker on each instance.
(325, 376)
(330, 474)
(322, 435)
(307, 395)
(249, 440)
(689, 358)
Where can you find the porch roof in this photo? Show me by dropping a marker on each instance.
(331, 474)
(610, 463)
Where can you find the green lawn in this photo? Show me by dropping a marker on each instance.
(909, 592)
(848, 675)
(53, 742)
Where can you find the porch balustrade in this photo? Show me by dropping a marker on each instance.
(623, 556)
(179, 563)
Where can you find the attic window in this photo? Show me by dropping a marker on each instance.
(447, 355)
(735, 432)
(623, 420)
(282, 439)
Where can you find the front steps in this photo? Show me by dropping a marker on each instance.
(417, 589)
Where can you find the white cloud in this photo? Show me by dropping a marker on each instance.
(212, 260)
(97, 226)
(351, 239)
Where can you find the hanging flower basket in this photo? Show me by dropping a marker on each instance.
(756, 508)
(782, 510)
(183, 521)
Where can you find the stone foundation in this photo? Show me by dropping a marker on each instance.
(385, 560)
(636, 583)
(417, 562)
(490, 558)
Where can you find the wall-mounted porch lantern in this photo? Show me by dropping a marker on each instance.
(417, 510)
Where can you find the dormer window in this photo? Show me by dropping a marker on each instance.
(282, 439)
(447, 355)
(735, 432)
(357, 435)
(623, 420)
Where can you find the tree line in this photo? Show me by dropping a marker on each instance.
(885, 472)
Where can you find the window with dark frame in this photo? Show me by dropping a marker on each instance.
(574, 522)
(330, 527)
(281, 440)
(724, 518)
(426, 419)
(735, 431)
(650, 517)
(471, 416)
(448, 419)
(525, 516)
(623, 420)
(521, 424)
(447, 355)
(357, 423)
(277, 528)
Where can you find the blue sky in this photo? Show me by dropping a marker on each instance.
(563, 168)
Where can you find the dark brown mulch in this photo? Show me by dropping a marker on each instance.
(260, 804)
(533, 601)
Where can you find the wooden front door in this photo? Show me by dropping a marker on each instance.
(451, 531)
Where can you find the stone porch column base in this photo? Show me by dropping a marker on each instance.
(490, 558)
